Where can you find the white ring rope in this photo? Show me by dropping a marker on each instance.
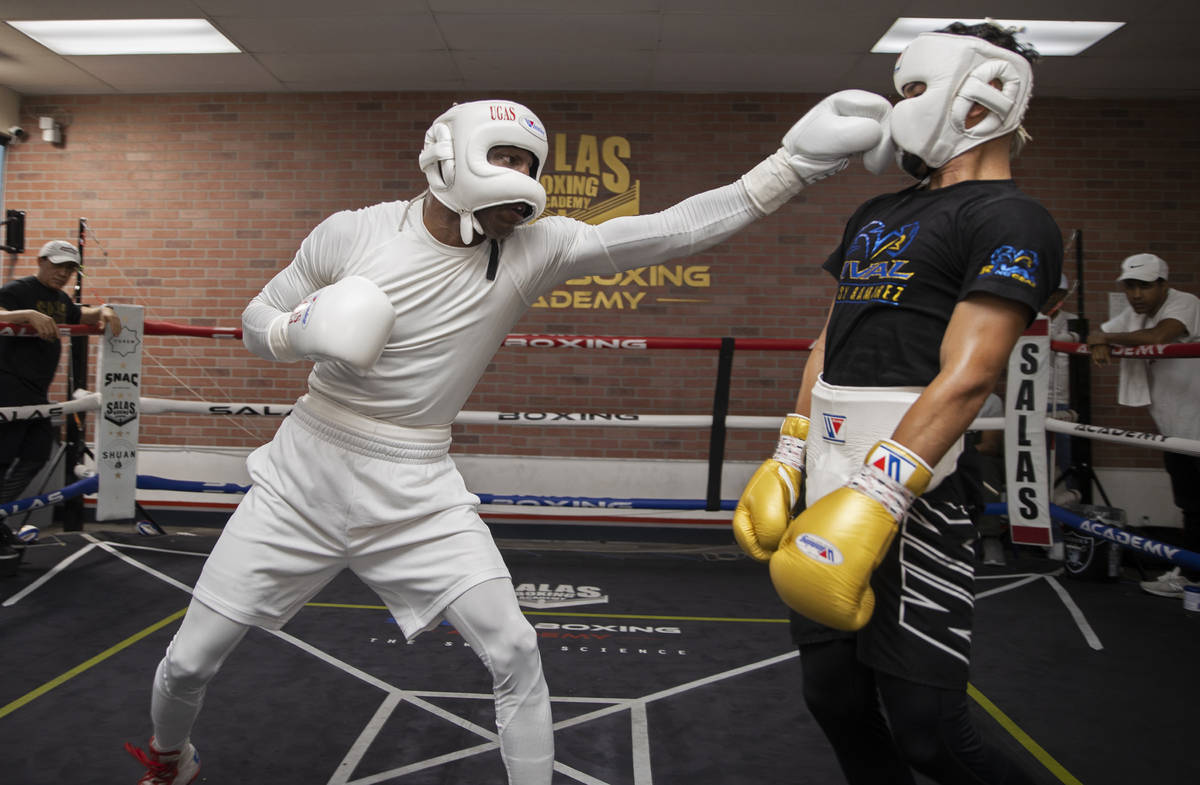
(90, 402)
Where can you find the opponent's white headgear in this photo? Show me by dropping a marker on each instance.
(957, 71)
(454, 160)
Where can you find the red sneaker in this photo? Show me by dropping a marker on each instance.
(167, 767)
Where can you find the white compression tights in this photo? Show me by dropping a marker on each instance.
(491, 621)
(487, 616)
(195, 655)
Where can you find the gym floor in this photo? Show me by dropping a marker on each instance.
(667, 662)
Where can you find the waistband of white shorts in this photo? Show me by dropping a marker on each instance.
(869, 394)
(368, 436)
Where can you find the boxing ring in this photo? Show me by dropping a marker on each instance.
(699, 623)
(1028, 477)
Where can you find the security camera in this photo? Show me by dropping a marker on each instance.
(16, 132)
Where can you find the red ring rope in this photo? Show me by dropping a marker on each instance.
(536, 341)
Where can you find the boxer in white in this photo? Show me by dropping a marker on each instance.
(401, 306)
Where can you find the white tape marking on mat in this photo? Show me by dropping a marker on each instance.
(365, 739)
(1008, 586)
(640, 730)
(55, 570)
(130, 560)
(1088, 633)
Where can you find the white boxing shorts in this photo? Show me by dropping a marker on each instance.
(335, 490)
(846, 422)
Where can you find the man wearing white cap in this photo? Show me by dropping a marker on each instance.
(28, 365)
(1159, 314)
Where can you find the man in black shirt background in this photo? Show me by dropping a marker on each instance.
(28, 365)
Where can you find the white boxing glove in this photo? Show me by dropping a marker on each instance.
(348, 321)
(820, 144)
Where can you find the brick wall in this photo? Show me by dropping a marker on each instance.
(195, 200)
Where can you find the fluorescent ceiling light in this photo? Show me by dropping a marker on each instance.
(128, 36)
(1050, 38)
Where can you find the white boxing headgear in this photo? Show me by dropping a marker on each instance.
(957, 71)
(455, 160)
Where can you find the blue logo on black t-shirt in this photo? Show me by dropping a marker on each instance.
(1017, 264)
(875, 239)
(871, 273)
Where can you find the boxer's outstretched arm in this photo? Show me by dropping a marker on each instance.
(820, 144)
(982, 332)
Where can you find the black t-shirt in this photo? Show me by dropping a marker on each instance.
(906, 259)
(28, 365)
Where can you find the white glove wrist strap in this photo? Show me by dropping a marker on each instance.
(895, 498)
(790, 451)
(772, 183)
(811, 168)
(277, 340)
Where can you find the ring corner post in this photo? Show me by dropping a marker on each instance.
(118, 380)
(716, 437)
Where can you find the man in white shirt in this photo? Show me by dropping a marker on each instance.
(401, 306)
(1158, 314)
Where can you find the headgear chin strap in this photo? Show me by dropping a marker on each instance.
(957, 71)
(455, 160)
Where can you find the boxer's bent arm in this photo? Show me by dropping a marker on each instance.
(981, 335)
(281, 294)
(317, 264)
(688, 227)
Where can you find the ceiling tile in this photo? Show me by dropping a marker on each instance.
(548, 8)
(412, 33)
(364, 71)
(179, 73)
(585, 70)
(767, 72)
(616, 33)
(1109, 77)
(32, 75)
(108, 9)
(288, 9)
(793, 32)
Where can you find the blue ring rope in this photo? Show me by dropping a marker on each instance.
(1137, 542)
(1096, 528)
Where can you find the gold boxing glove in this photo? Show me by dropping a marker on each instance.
(823, 567)
(766, 505)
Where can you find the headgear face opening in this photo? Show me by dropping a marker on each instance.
(455, 160)
(957, 70)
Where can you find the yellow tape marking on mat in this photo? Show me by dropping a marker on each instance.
(578, 615)
(78, 669)
(1035, 749)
